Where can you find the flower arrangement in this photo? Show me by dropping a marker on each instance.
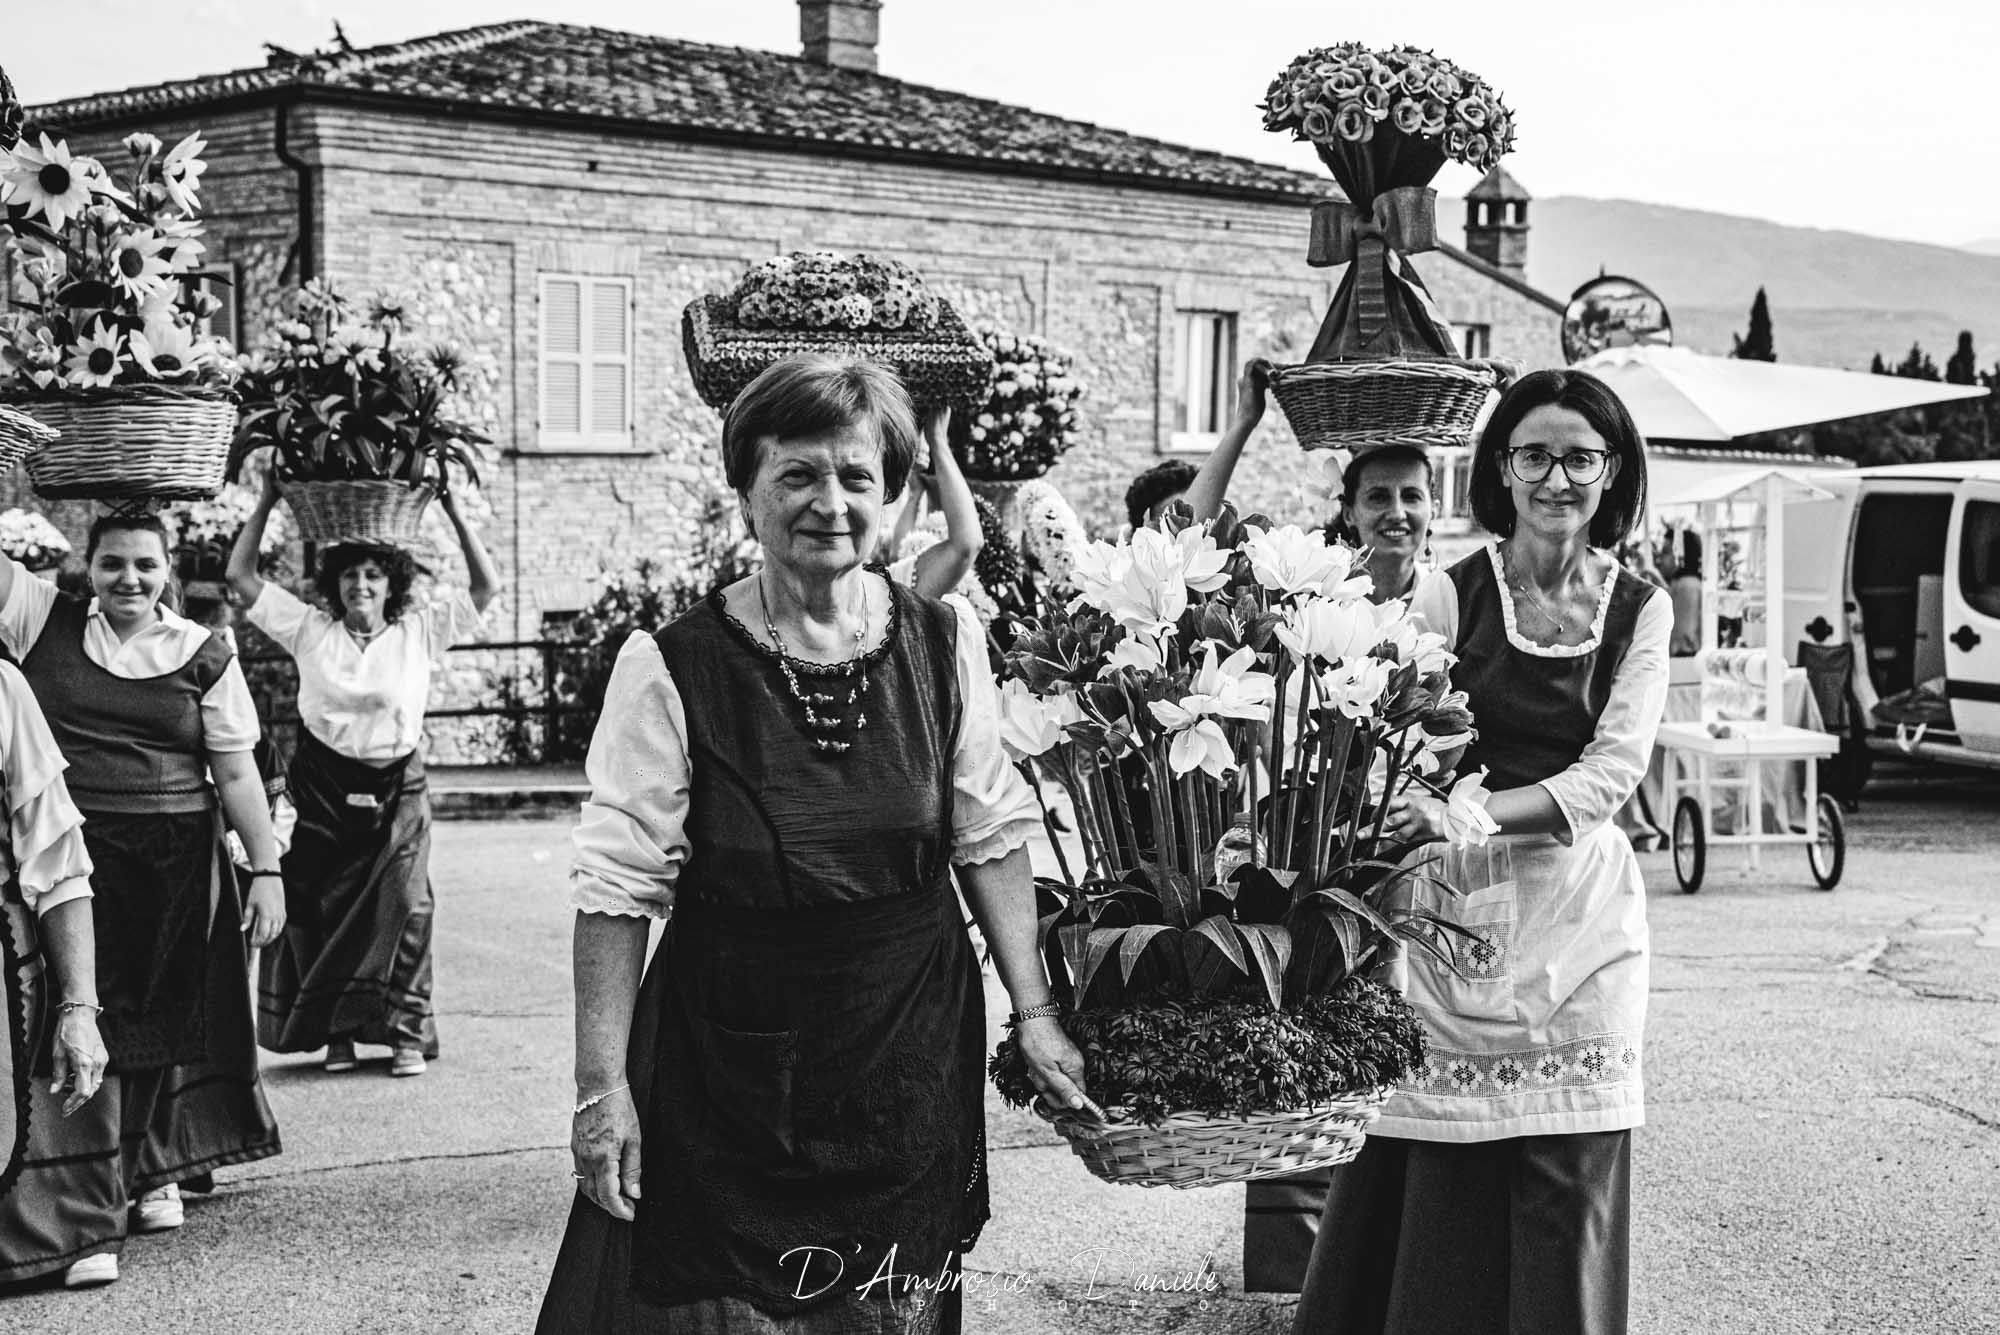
(1347, 94)
(1229, 716)
(822, 289)
(104, 263)
(1029, 418)
(342, 399)
(31, 539)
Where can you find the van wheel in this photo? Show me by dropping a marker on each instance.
(1827, 856)
(1690, 845)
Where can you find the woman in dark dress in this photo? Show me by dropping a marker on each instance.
(1493, 1195)
(790, 773)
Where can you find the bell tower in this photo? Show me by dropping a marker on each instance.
(1496, 222)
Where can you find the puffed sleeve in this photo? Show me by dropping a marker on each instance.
(27, 609)
(288, 621)
(631, 840)
(1592, 790)
(45, 830)
(229, 714)
(993, 810)
(450, 621)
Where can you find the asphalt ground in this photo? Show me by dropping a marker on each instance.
(1822, 1152)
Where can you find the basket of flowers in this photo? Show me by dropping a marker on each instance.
(848, 305)
(32, 540)
(1228, 716)
(1384, 368)
(363, 425)
(110, 349)
(1028, 420)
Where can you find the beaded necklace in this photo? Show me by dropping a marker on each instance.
(821, 727)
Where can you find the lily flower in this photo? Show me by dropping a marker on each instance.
(1355, 685)
(1198, 742)
(1327, 630)
(1139, 652)
(1290, 560)
(1031, 724)
(1466, 823)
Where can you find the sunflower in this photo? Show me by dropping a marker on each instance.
(137, 267)
(96, 362)
(166, 350)
(49, 181)
(180, 173)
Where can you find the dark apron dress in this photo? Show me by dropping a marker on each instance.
(807, 1047)
(354, 962)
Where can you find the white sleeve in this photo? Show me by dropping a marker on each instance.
(631, 837)
(44, 828)
(280, 615)
(27, 610)
(993, 809)
(449, 622)
(228, 714)
(1592, 790)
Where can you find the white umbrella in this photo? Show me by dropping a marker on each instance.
(1675, 394)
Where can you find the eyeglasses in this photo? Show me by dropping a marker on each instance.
(1532, 463)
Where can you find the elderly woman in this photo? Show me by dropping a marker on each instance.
(789, 773)
(355, 964)
(146, 706)
(1494, 1192)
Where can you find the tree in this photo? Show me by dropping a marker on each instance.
(1756, 345)
(1878, 366)
(1962, 427)
(1918, 365)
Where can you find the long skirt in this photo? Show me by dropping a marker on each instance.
(171, 1107)
(1526, 1236)
(354, 962)
(1280, 1221)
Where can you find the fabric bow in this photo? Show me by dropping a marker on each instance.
(1403, 220)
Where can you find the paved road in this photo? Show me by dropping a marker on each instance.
(1822, 1156)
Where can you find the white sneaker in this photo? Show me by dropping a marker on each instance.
(158, 1210)
(91, 1271)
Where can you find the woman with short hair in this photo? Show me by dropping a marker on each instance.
(790, 774)
(354, 965)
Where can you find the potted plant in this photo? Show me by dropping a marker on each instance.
(1384, 366)
(823, 301)
(108, 346)
(1228, 715)
(361, 423)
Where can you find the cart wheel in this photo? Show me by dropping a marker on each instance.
(1828, 856)
(1690, 844)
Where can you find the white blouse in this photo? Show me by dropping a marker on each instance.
(228, 714)
(630, 841)
(365, 703)
(44, 845)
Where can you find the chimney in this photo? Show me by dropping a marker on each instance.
(840, 32)
(1496, 222)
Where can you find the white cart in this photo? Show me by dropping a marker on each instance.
(1750, 505)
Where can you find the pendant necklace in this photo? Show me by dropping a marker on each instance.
(820, 727)
(1522, 586)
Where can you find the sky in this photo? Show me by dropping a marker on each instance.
(1875, 117)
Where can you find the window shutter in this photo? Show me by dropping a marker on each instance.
(610, 359)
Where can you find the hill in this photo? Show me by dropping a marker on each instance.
(1837, 298)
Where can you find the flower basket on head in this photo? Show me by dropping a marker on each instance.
(20, 436)
(1385, 123)
(1027, 420)
(837, 305)
(361, 424)
(1229, 718)
(111, 351)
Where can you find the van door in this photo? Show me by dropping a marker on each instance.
(1972, 615)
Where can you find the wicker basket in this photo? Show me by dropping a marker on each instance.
(20, 436)
(945, 365)
(1193, 1150)
(1362, 404)
(135, 442)
(385, 514)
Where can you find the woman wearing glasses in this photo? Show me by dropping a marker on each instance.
(1493, 1194)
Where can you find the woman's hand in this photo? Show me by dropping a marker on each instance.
(604, 1145)
(1054, 1065)
(79, 1058)
(269, 492)
(1251, 390)
(264, 910)
(1414, 817)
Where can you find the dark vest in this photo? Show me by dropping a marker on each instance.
(133, 745)
(1534, 714)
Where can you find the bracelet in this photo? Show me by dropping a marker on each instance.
(1047, 1008)
(596, 1099)
(254, 874)
(91, 1006)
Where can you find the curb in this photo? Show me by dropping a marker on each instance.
(558, 802)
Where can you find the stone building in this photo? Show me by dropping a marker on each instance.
(549, 197)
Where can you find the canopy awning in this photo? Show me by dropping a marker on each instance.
(1676, 394)
(1750, 485)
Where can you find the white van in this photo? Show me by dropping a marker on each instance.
(1903, 564)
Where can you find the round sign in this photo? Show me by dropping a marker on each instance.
(1612, 312)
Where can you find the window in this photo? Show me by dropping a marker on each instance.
(1204, 377)
(1979, 558)
(1477, 340)
(218, 281)
(586, 363)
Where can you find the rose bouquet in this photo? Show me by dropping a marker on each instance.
(1229, 716)
(843, 305)
(31, 539)
(364, 425)
(1029, 418)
